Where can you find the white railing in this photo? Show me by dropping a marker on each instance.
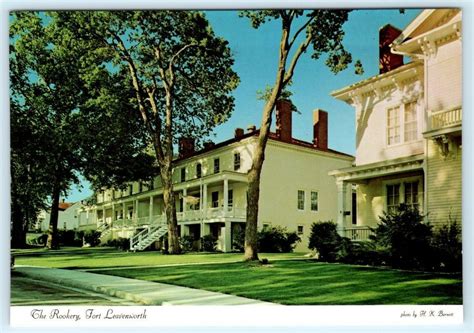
(189, 215)
(446, 118)
(357, 233)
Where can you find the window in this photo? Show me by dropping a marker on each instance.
(198, 170)
(314, 201)
(300, 200)
(402, 123)
(183, 174)
(140, 187)
(300, 230)
(393, 197)
(236, 161)
(411, 194)
(151, 185)
(130, 189)
(216, 165)
(181, 205)
(113, 194)
(410, 125)
(230, 198)
(215, 199)
(393, 126)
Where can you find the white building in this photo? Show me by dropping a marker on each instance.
(67, 217)
(211, 184)
(408, 125)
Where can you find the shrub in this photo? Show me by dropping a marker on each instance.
(92, 237)
(448, 246)
(119, 243)
(69, 238)
(325, 240)
(208, 243)
(186, 243)
(406, 238)
(361, 253)
(276, 239)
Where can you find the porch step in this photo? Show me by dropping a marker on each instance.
(145, 238)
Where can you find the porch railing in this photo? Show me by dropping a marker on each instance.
(357, 233)
(446, 118)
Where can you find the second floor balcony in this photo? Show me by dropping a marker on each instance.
(217, 214)
(445, 121)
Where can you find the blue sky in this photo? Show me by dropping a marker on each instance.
(256, 53)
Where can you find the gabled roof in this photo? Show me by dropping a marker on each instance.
(65, 205)
(427, 20)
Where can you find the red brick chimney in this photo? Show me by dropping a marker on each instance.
(186, 147)
(283, 120)
(320, 129)
(387, 60)
(239, 132)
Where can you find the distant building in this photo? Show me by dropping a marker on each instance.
(67, 219)
(408, 126)
(211, 187)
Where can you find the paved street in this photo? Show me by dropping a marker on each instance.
(26, 291)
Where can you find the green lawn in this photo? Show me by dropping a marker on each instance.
(309, 283)
(285, 281)
(99, 257)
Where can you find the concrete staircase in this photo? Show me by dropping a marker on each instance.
(105, 231)
(148, 236)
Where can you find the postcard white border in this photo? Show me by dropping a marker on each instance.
(303, 318)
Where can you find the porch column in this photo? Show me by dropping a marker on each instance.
(341, 205)
(135, 215)
(185, 193)
(226, 196)
(113, 214)
(228, 236)
(204, 200)
(150, 213)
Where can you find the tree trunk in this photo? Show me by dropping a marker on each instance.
(170, 210)
(18, 229)
(253, 194)
(53, 241)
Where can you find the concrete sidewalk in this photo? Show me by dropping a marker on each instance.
(144, 292)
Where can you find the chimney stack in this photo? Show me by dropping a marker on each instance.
(387, 60)
(251, 128)
(320, 129)
(209, 144)
(283, 120)
(186, 147)
(238, 133)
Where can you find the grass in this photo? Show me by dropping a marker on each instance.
(296, 282)
(285, 281)
(100, 257)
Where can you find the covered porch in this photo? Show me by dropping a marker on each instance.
(377, 188)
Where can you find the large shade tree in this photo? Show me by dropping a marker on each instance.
(180, 74)
(56, 115)
(319, 32)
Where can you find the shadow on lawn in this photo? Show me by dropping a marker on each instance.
(297, 282)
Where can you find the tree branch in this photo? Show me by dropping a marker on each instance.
(301, 49)
(303, 27)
